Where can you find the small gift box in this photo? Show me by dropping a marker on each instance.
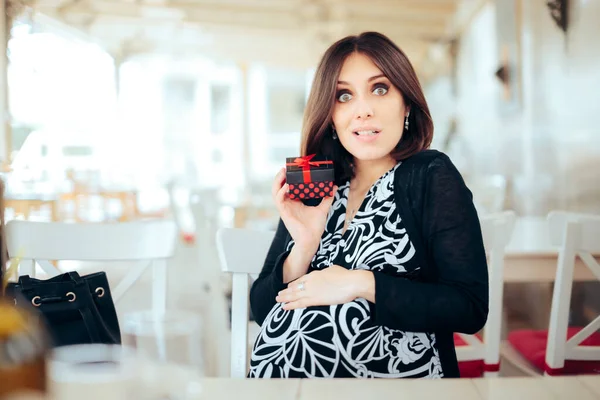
(309, 177)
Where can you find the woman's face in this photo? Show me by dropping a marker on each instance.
(369, 111)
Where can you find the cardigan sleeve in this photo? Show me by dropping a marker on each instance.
(456, 300)
(270, 280)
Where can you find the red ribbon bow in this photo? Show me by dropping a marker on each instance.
(305, 164)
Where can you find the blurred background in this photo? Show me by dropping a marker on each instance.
(109, 104)
(117, 110)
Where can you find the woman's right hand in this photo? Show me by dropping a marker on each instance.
(304, 223)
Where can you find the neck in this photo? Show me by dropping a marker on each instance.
(367, 172)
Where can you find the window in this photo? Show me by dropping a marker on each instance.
(220, 108)
(179, 92)
(286, 107)
(285, 98)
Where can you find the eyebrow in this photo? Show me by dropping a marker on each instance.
(368, 80)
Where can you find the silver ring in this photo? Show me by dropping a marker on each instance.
(301, 286)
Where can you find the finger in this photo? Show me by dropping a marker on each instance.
(294, 305)
(290, 294)
(281, 193)
(284, 295)
(328, 201)
(288, 297)
(278, 182)
(296, 289)
(297, 283)
(292, 288)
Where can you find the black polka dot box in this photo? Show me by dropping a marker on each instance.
(309, 177)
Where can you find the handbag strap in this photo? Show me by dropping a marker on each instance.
(90, 324)
(92, 317)
(75, 277)
(25, 283)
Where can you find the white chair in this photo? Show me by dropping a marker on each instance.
(577, 235)
(215, 310)
(489, 193)
(149, 243)
(242, 252)
(476, 355)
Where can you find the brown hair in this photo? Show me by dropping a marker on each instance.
(317, 124)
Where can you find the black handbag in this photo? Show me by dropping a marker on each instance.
(76, 309)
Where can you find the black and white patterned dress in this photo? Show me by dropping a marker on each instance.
(343, 340)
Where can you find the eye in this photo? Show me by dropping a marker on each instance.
(380, 89)
(344, 97)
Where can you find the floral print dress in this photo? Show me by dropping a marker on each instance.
(343, 340)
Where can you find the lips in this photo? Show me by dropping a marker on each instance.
(366, 133)
(366, 130)
(366, 136)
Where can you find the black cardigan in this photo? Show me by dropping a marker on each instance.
(451, 292)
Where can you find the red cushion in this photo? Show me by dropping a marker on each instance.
(532, 345)
(468, 369)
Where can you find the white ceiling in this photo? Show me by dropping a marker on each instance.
(288, 32)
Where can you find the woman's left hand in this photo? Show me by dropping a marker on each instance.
(332, 285)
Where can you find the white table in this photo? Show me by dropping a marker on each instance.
(530, 257)
(581, 388)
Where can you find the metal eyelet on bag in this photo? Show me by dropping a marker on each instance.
(73, 295)
(99, 291)
(33, 301)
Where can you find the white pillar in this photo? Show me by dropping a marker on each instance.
(5, 131)
(527, 85)
(530, 197)
(246, 150)
(117, 61)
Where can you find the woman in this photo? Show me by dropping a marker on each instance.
(373, 281)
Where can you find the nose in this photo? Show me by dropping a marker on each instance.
(363, 109)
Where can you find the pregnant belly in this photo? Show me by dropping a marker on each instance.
(316, 339)
(316, 321)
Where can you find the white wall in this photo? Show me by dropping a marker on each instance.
(566, 87)
(551, 161)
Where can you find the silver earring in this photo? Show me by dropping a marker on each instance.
(406, 123)
(334, 134)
